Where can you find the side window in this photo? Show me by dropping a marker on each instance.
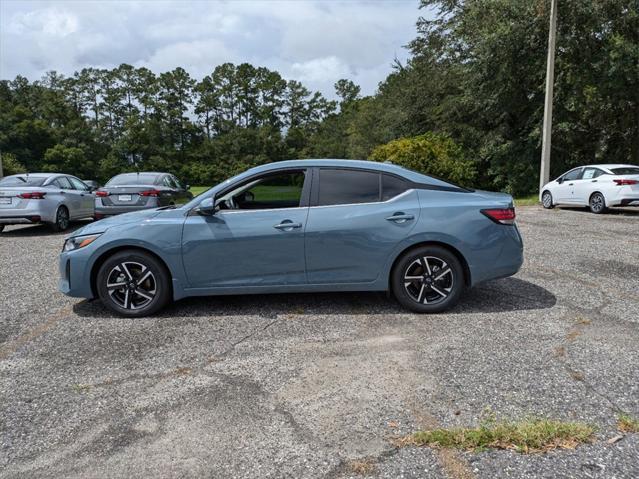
(177, 182)
(78, 185)
(343, 187)
(392, 186)
(573, 175)
(63, 182)
(166, 181)
(279, 190)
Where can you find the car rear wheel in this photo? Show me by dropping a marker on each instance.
(597, 203)
(133, 283)
(429, 279)
(1, 228)
(546, 200)
(61, 219)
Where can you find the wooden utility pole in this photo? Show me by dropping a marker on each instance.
(1, 175)
(544, 175)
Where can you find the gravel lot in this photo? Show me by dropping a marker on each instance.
(318, 385)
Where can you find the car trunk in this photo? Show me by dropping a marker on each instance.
(128, 195)
(10, 199)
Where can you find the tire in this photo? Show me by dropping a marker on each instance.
(145, 284)
(61, 219)
(1, 228)
(424, 293)
(546, 200)
(597, 203)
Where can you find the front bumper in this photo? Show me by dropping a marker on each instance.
(75, 279)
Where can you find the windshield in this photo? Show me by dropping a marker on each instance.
(627, 170)
(22, 181)
(132, 179)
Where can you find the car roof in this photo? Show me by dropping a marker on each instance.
(358, 164)
(141, 173)
(609, 166)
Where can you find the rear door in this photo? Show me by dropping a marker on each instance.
(356, 219)
(586, 185)
(87, 200)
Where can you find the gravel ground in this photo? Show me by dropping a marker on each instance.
(319, 385)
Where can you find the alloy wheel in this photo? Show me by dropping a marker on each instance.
(597, 203)
(62, 218)
(546, 200)
(131, 285)
(428, 280)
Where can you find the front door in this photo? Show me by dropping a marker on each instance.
(256, 238)
(87, 200)
(564, 192)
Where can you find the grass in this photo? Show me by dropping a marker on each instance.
(626, 423)
(527, 201)
(537, 435)
(196, 190)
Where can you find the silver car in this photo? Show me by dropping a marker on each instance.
(51, 198)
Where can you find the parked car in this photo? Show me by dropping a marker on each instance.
(92, 184)
(49, 198)
(138, 191)
(595, 186)
(295, 226)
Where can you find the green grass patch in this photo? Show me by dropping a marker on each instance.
(537, 435)
(527, 200)
(626, 423)
(196, 190)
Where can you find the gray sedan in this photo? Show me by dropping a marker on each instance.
(49, 198)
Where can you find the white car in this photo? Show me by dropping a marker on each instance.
(595, 186)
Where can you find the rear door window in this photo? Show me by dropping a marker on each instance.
(392, 186)
(344, 187)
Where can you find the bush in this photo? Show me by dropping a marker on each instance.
(11, 166)
(431, 154)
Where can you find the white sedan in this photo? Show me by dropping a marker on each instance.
(595, 186)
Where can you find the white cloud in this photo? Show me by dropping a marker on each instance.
(314, 41)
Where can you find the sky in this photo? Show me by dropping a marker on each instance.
(314, 41)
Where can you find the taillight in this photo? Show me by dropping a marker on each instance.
(32, 195)
(504, 216)
(150, 193)
(101, 194)
(626, 182)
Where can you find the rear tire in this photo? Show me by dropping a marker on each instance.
(1, 228)
(133, 283)
(61, 221)
(546, 200)
(597, 203)
(428, 279)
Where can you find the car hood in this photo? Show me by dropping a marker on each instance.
(102, 225)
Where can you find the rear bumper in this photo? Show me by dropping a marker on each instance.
(627, 202)
(102, 211)
(506, 263)
(20, 220)
(35, 211)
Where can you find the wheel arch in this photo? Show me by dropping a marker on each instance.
(110, 252)
(452, 249)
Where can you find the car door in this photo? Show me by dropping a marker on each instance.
(71, 197)
(356, 219)
(256, 238)
(87, 199)
(564, 190)
(586, 185)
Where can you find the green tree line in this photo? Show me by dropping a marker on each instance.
(467, 105)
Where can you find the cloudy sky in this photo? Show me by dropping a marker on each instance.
(314, 41)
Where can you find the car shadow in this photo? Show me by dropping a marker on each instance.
(509, 294)
(630, 211)
(23, 231)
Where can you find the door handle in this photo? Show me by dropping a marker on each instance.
(400, 218)
(594, 181)
(287, 225)
(570, 184)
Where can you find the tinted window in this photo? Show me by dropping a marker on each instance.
(178, 183)
(392, 186)
(573, 175)
(22, 181)
(132, 179)
(281, 190)
(343, 187)
(63, 183)
(77, 184)
(628, 170)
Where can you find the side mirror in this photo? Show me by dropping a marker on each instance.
(187, 187)
(560, 180)
(206, 207)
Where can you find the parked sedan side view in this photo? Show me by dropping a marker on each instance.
(138, 191)
(596, 186)
(49, 198)
(301, 226)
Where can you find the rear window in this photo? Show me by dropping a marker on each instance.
(628, 170)
(345, 187)
(22, 181)
(132, 179)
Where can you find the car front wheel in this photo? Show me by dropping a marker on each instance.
(133, 283)
(428, 279)
(597, 203)
(546, 200)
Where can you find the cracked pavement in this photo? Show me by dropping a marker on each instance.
(319, 385)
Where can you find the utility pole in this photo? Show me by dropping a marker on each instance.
(544, 174)
(1, 175)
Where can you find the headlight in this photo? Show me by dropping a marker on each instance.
(78, 242)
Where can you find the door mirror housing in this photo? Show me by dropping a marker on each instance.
(560, 180)
(187, 187)
(206, 207)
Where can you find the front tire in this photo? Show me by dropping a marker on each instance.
(428, 279)
(133, 283)
(597, 203)
(546, 200)
(61, 221)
